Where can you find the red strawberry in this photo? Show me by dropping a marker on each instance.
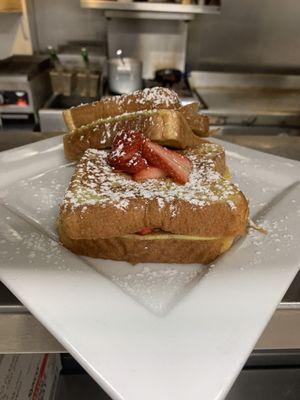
(149, 173)
(136, 164)
(125, 145)
(145, 231)
(175, 165)
(180, 159)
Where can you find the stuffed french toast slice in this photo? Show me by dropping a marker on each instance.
(190, 214)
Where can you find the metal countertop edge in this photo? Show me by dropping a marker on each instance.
(20, 309)
(21, 332)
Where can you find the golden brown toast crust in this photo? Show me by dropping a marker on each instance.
(136, 249)
(101, 203)
(167, 127)
(140, 100)
(199, 123)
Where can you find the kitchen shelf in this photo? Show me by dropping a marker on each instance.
(167, 8)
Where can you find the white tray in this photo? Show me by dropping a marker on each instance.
(150, 331)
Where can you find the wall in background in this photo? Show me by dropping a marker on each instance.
(261, 34)
(60, 21)
(256, 34)
(159, 45)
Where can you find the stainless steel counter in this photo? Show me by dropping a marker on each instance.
(281, 145)
(20, 332)
(10, 138)
(248, 98)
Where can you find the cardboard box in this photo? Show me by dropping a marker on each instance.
(29, 376)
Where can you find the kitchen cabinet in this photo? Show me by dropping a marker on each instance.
(10, 6)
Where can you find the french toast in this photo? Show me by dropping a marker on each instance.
(157, 98)
(167, 127)
(157, 112)
(199, 123)
(103, 210)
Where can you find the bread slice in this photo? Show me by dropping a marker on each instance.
(199, 123)
(148, 99)
(163, 248)
(156, 98)
(103, 210)
(167, 127)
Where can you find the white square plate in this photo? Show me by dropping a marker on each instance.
(150, 331)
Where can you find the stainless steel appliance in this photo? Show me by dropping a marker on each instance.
(168, 76)
(249, 102)
(124, 75)
(77, 80)
(78, 70)
(24, 88)
(51, 115)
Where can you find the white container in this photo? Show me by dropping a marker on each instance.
(124, 75)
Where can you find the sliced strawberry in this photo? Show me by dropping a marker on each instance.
(125, 145)
(149, 173)
(145, 231)
(136, 164)
(129, 137)
(175, 165)
(180, 159)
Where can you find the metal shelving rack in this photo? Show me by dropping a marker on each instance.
(151, 10)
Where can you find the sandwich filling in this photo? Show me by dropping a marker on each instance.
(226, 241)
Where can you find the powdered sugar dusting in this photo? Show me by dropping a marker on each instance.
(96, 183)
(138, 109)
(164, 285)
(151, 97)
(109, 126)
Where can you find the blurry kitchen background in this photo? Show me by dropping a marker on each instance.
(240, 60)
(249, 34)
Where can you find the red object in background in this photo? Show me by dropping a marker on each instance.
(22, 103)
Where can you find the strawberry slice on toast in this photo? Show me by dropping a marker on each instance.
(149, 173)
(175, 165)
(126, 152)
(136, 164)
